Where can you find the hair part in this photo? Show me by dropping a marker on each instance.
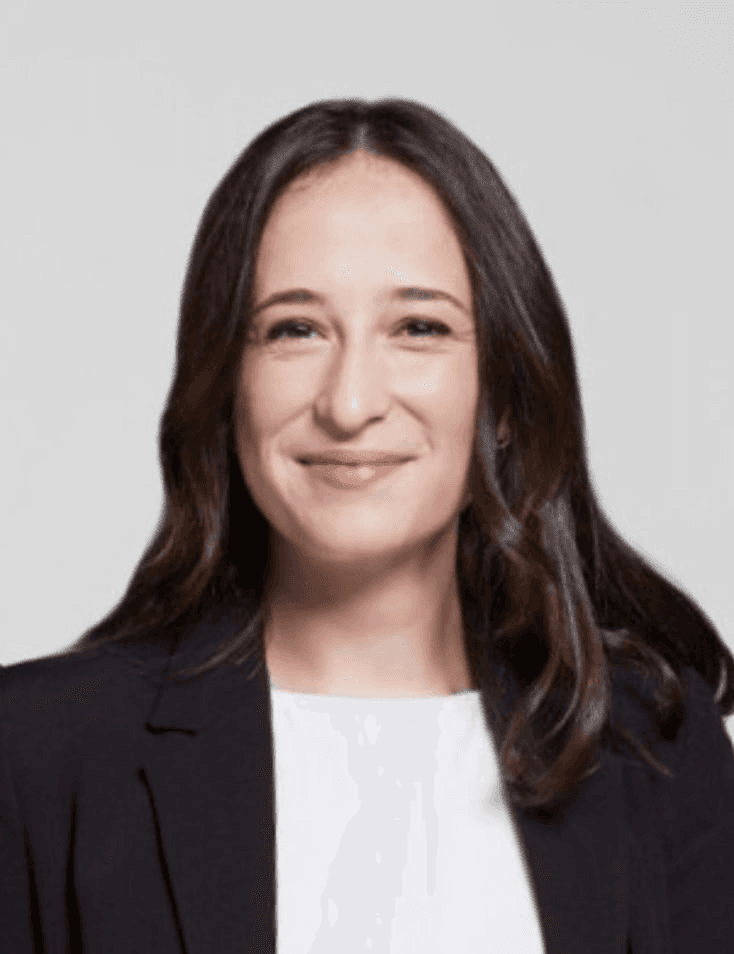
(550, 591)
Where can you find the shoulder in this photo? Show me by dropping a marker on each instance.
(63, 704)
(633, 705)
(79, 700)
(694, 803)
(71, 675)
(700, 796)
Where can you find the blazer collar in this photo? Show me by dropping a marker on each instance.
(208, 761)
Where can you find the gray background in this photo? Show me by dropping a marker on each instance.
(611, 123)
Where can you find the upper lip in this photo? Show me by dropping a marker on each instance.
(355, 457)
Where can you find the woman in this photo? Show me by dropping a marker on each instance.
(382, 598)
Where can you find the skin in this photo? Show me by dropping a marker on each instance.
(362, 595)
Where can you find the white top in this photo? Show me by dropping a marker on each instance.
(392, 833)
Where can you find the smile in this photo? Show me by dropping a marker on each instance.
(351, 476)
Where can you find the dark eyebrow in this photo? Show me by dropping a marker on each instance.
(304, 296)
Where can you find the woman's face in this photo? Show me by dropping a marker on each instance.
(359, 368)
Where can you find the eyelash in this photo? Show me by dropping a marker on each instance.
(272, 334)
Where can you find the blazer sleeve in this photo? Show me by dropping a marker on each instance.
(16, 928)
(698, 812)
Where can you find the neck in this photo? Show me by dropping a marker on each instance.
(395, 637)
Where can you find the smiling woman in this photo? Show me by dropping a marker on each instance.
(382, 596)
(360, 389)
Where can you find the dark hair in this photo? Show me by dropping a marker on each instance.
(551, 590)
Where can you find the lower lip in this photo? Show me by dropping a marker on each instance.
(346, 477)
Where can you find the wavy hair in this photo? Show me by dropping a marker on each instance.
(549, 589)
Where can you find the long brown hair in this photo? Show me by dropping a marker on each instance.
(549, 589)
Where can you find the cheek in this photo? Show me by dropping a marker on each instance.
(453, 400)
(266, 403)
(266, 399)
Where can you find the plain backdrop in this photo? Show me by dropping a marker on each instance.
(611, 122)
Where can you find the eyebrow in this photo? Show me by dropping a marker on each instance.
(304, 296)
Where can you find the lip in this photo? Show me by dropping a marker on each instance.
(351, 477)
(356, 458)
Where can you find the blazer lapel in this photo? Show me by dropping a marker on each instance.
(209, 766)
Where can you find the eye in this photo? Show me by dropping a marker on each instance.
(276, 332)
(437, 326)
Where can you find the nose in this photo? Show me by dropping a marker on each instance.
(355, 387)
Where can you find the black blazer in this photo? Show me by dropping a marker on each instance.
(137, 817)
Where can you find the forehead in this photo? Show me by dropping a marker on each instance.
(369, 212)
(360, 180)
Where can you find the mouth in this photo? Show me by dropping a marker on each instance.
(336, 461)
(351, 476)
